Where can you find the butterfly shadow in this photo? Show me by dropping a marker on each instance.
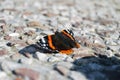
(32, 49)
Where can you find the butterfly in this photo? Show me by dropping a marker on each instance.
(62, 42)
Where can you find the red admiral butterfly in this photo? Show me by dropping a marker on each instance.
(62, 42)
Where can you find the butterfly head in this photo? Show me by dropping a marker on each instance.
(69, 32)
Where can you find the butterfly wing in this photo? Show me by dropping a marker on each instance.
(61, 41)
(44, 44)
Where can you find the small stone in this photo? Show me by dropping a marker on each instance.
(98, 45)
(19, 29)
(29, 73)
(83, 52)
(115, 48)
(49, 14)
(25, 60)
(33, 23)
(98, 42)
(105, 21)
(29, 33)
(29, 29)
(10, 44)
(4, 76)
(3, 52)
(62, 70)
(2, 22)
(41, 56)
(17, 43)
(7, 37)
(68, 59)
(67, 65)
(60, 55)
(77, 75)
(18, 78)
(29, 42)
(64, 19)
(84, 41)
(27, 13)
(64, 13)
(15, 56)
(117, 54)
(110, 42)
(118, 42)
(14, 35)
(3, 29)
(53, 59)
(10, 66)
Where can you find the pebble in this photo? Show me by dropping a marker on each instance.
(14, 35)
(60, 57)
(69, 59)
(99, 41)
(62, 70)
(29, 41)
(10, 66)
(77, 75)
(67, 65)
(29, 33)
(50, 14)
(2, 22)
(83, 52)
(29, 29)
(7, 37)
(25, 61)
(115, 48)
(27, 73)
(15, 56)
(53, 59)
(3, 52)
(4, 76)
(41, 56)
(33, 24)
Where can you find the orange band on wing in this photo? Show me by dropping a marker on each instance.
(68, 35)
(66, 51)
(50, 42)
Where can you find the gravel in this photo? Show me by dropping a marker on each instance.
(96, 25)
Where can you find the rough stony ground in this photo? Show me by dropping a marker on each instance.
(95, 23)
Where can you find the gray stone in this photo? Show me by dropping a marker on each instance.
(4, 76)
(41, 56)
(53, 59)
(77, 76)
(115, 48)
(67, 65)
(25, 60)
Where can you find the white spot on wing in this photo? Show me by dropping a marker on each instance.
(43, 40)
